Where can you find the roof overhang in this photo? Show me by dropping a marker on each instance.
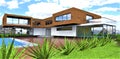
(96, 24)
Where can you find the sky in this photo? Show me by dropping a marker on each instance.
(45, 8)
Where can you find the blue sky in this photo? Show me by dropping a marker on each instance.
(45, 8)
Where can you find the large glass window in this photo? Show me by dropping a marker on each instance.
(63, 17)
(88, 18)
(9, 21)
(17, 21)
(68, 16)
(23, 21)
(64, 28)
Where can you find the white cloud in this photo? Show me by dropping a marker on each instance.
(37, 0)
(12, 4)
(114, 17)
(2, 3)
(106, 9)
(24, 1)
(43, 10)
(76, 3)
(84, 3)
(103, 2)
(109, 2)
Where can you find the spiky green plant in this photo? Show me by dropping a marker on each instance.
(93, 42)
(67, 47)
(10, 52)
(82, 44)
(44, 51)
(103, 41)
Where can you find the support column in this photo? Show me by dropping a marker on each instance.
(112, 29)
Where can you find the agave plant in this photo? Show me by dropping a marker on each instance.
(43, 51)
(82, 44)
(103, 41)
(93, 42)
(66, 48)
(10, 52)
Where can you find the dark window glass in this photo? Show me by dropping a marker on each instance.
(64, 28)
(38, 24)
(48, 22)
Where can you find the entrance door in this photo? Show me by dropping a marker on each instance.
(48, 32)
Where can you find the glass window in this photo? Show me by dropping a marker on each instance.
(60, 18)
(63, 17)
(17, 21)
(56, 18)
(9, 21)
(48, 22)
(38, 24)
(89, 17)
(68, 16)
(23, 21)
(64, 28)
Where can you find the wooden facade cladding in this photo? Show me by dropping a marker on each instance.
(4, 21)
(77, 17)
(48, 20)
(38, 23)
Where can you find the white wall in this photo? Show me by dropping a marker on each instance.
(72, 32)
(39, 31)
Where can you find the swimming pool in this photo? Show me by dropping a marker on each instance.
(17, 42)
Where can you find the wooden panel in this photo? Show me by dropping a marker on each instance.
(16, 16)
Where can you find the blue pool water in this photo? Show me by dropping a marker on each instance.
(9, 40)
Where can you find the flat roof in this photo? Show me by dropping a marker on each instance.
(94, 24)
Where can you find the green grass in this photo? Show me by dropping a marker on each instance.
(109, 51)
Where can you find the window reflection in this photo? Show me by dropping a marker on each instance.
(17, 21)
(88, 18)
(63, 17)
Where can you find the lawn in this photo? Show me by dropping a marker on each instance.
(109, 51)
(88, 48)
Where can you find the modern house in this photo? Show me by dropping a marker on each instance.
(71, 22)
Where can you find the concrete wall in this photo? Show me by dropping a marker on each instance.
(39, 31)
(70, 33)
